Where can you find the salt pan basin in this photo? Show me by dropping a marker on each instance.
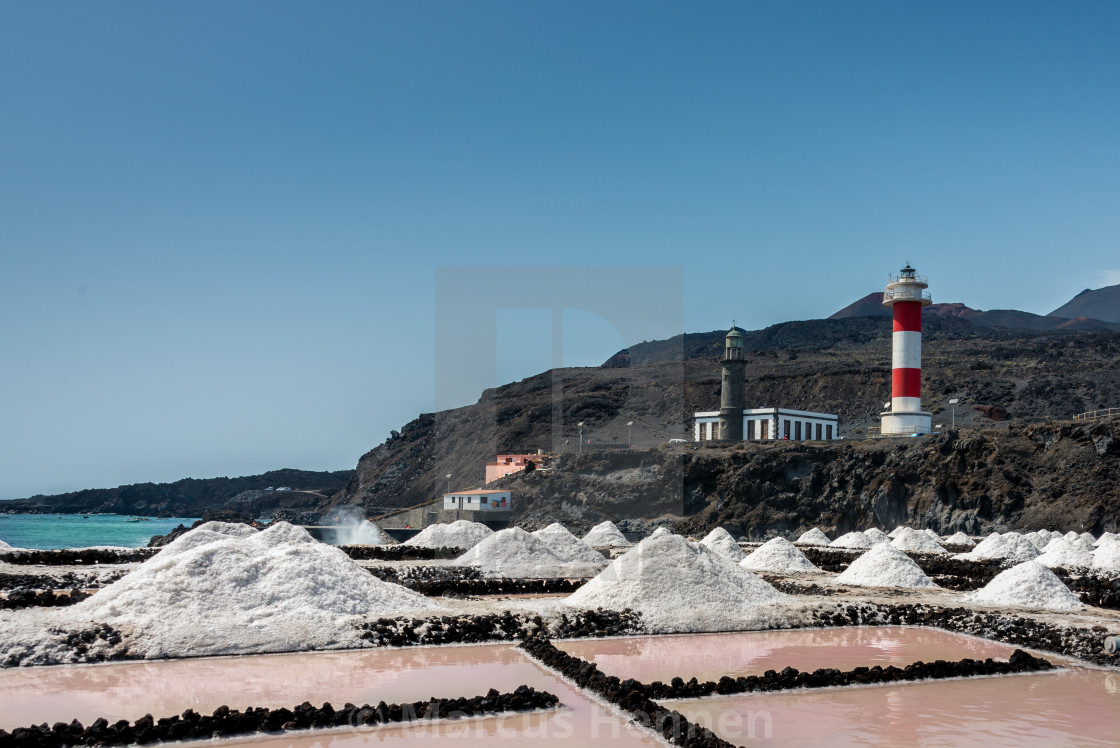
(710, 656)
(129, 690)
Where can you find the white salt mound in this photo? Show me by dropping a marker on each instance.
(4, 545)
(778, 554)
(274, 590)
(1060, 553)
(1107, 556)
(960, 539)
(720, 541)
(680, 586)
(517, 554)
(660, 532)
(884, 566)
(894, 533)
(852, 540)
(459, 534)
(1030, 585)
(606, 534)
(1038, 539)
(932, 535)
(1071, 535)
(1010, 546)
(813, 537)
(917, 541)
(1104, 538)
(875, 535)
(210, 532)
(568, 547)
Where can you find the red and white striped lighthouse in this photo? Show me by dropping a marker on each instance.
(906, 295)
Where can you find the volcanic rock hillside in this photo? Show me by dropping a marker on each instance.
(1060, 477)
(839, 366)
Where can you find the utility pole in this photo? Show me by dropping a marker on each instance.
(954, 402)
(580, 424)
(629, 433)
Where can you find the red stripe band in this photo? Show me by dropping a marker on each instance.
(907, 383)
(907, 316)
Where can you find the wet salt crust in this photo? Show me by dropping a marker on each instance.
(884, 566)
(270, 591)
(681, 587)
(854, 539)
(814, 537)
(568, 547)
(720, 541)
(459, 534)
(778, 554)
(917, 541)
(1030, 585)
(606, 534)
(517, 554)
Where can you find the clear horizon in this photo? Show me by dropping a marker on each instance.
(223, 222)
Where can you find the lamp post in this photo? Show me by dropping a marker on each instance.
(954, 402)
(580, 424)
(629, 433)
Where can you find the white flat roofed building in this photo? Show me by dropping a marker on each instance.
(478, 500)
(762, 424)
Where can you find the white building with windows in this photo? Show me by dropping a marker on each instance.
(478, 500)
(762, 424)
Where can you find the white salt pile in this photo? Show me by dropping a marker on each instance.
(680, 586)
(917, 541)
(875, 535)
(778, 554)
(606, 534)
(1088, 538)
(884, 566)
(813, 537)
(1061, 553)
(960, 538)
(1104, 538)
(720, 541)
(852, 540)
(208, 533)
(1038, 539)
(276, 590)
(660, 532)
(1107, 555)
(459, 534)
(517, 554)
(1010, 546)
(3, 545)
(894, 533)
(568, 547)
(932, 535)
(1030, 585)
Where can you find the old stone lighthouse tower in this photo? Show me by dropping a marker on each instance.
(733, 394)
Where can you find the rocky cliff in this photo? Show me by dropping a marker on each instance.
(1061, 477)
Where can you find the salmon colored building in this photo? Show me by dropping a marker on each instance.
(506, 464)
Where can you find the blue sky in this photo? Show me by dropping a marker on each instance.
(221, 221)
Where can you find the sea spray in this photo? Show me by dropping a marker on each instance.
(349, 526)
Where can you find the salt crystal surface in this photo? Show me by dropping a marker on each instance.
(852, 540)
(894, 533)
(517, 554)
(568, 547)
(1038, 539)
(1010, 546)
(205, 534)
(4, 545)
(606, 534)
(660, 532)
(960, 539)
(1107, 555)
(720, 541)
(1106, 537)
(932, 535)
(1030, 585)
(1088, 538)
(778, 554)
(917, 541)
(813, 537)
(680, 586)
(1061, 553)
(884, 566)
(875, 535)
(274, 590)
(459, 534)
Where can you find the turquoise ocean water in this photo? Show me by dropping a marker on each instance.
(76, 531)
